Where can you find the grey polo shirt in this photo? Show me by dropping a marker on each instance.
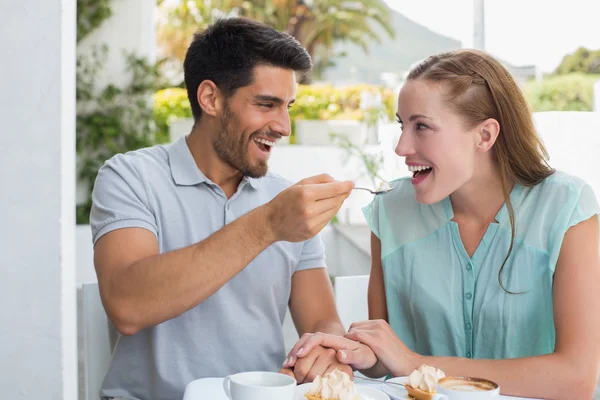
(239, 328)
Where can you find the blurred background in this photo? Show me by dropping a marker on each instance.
(82, 80)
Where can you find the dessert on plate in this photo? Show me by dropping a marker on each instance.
(422, 382)
(335, 385)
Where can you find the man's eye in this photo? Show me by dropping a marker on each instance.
(266, 105)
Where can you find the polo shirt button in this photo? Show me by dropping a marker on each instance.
(469, 355)
(469, 296)
(469, 326)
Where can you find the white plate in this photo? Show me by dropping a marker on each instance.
(366, 393)
(396, 392)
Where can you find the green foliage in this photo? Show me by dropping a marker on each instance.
(170, 103)
(317, 25)
(113, 119)
(572, 92)
(582, 60)
(326, 102)
(90, 15)
(323, 102)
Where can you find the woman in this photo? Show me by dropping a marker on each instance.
(486, 262)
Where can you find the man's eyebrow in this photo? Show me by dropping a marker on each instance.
(272, 99)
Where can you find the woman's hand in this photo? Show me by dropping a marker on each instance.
(349, 352)
(398, 359)
(319, 361)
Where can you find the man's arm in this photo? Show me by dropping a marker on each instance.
(312, 304)
(140, 287)
(312, 307)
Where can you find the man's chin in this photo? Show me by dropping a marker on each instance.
(257, 171)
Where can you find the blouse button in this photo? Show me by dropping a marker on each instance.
(469, 296)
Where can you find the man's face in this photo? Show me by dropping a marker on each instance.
(254, 119)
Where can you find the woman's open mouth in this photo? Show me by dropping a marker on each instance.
(420, 173)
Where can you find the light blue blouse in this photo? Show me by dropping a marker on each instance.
(442, 302)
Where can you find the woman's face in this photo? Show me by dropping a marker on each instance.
(439, 149)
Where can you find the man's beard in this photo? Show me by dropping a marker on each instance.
(233, 148)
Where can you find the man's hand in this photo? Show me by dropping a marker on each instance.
(302, 210)
(348, 352)
(319, 361)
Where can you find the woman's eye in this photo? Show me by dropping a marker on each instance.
(420, 126)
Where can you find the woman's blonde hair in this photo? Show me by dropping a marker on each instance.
(478, 87)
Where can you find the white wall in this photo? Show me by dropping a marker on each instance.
(573, 141)
(37, 190)
(131, 28)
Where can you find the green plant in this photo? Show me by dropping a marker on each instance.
(582, 60)
(317, 25)
(572, 92)
(113, 119)
(90, 15)
(168, 104)
(326, 102)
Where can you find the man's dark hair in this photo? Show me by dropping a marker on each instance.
(228, 51)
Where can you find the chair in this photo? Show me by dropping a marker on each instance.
(97, 339)
(351, 298)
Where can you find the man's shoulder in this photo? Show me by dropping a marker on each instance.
(147, 160)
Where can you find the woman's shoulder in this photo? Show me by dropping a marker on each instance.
(556, 191)
(560, 182)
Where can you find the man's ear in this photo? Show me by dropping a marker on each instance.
(209, 98)
(487, 134)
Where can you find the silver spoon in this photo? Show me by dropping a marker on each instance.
(377, 380)
(384, 191)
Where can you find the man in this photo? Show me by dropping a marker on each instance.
(198, 249)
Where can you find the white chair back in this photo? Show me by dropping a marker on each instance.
(351, 298)
(99, 337)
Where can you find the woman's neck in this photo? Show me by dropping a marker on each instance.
(480, 199)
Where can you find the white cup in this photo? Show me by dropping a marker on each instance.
(461, 388)
(259, 385)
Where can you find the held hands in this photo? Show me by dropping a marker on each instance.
(346, 351)
(302, 210)
(365, 344)
(319, 361)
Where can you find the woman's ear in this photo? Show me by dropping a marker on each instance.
(487, 134)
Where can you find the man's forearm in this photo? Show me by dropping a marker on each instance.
(165, 286)
(332, 326)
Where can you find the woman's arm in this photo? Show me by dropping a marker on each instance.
(570, 372)
(376, 299)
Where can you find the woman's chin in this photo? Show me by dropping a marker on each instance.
(428, 197)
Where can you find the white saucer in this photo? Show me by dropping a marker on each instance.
(365, 392)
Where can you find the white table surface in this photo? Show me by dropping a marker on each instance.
(212, 388)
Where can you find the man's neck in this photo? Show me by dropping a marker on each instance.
(200, 144)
